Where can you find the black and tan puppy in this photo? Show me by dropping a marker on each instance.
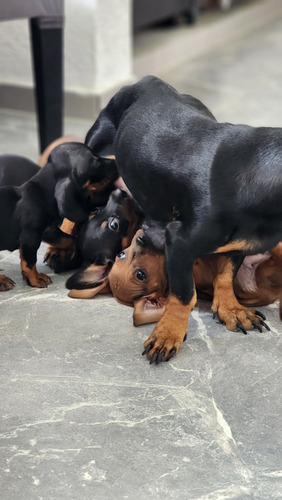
(14, 171)
(70, 185)
(211, 187)
(99, 240)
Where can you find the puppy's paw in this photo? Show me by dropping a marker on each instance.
(42, 281)
(170, 332)
(163, 344)
(6, 283)
(37, 280)
(240, 318)
(61, 259)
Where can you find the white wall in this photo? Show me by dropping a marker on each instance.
(98, 52)
(97, 44)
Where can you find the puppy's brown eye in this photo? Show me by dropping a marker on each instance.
(113, 223)
(140, 275)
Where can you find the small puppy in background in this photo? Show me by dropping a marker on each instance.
(71, 183)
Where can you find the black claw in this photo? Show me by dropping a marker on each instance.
(261, 315)
(265, 325)
(154, 357)
(185, 337)
(147, 349)
(257, 325)
(240, 327)
(160, 357)
(171, 354)
(213, 315)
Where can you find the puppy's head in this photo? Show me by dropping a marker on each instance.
(82, 181)
(110, 230)
(138, 279)
(43, 159)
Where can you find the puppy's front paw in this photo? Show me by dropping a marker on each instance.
(61, 259)
(42, 281)
(6, 283)
(37, 280)
(163, 344)
(170, 332)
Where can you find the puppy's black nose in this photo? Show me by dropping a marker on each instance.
(141, 241)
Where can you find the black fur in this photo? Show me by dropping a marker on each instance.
(54, 192)
(15, 170)
(221, 182)
(204, 184)
(100, 239)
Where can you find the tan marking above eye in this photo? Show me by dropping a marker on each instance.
(104, 224)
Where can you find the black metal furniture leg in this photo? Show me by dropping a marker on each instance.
(47, 51)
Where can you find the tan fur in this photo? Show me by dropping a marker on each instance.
(31, 275)
(225, 303)
(6, 283)
(236, 245)
(213, 279)
(89, 293)
(170, 331)
(125, 286)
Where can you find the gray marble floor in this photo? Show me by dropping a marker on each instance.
(83, 415)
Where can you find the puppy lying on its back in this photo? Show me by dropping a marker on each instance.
(138, 279)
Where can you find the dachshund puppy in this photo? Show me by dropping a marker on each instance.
(138, 279)
(70, 185)
(14, 171)
(142, 283)
(211, 187)
(99, 240)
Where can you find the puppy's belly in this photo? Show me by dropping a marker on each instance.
(246, 275)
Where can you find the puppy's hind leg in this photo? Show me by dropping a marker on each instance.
(225, 304)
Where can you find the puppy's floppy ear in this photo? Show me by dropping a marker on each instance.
(77, 160)
(149, 309)
(73, 156)
(73, 163)
(89, 281)
(89, 293)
